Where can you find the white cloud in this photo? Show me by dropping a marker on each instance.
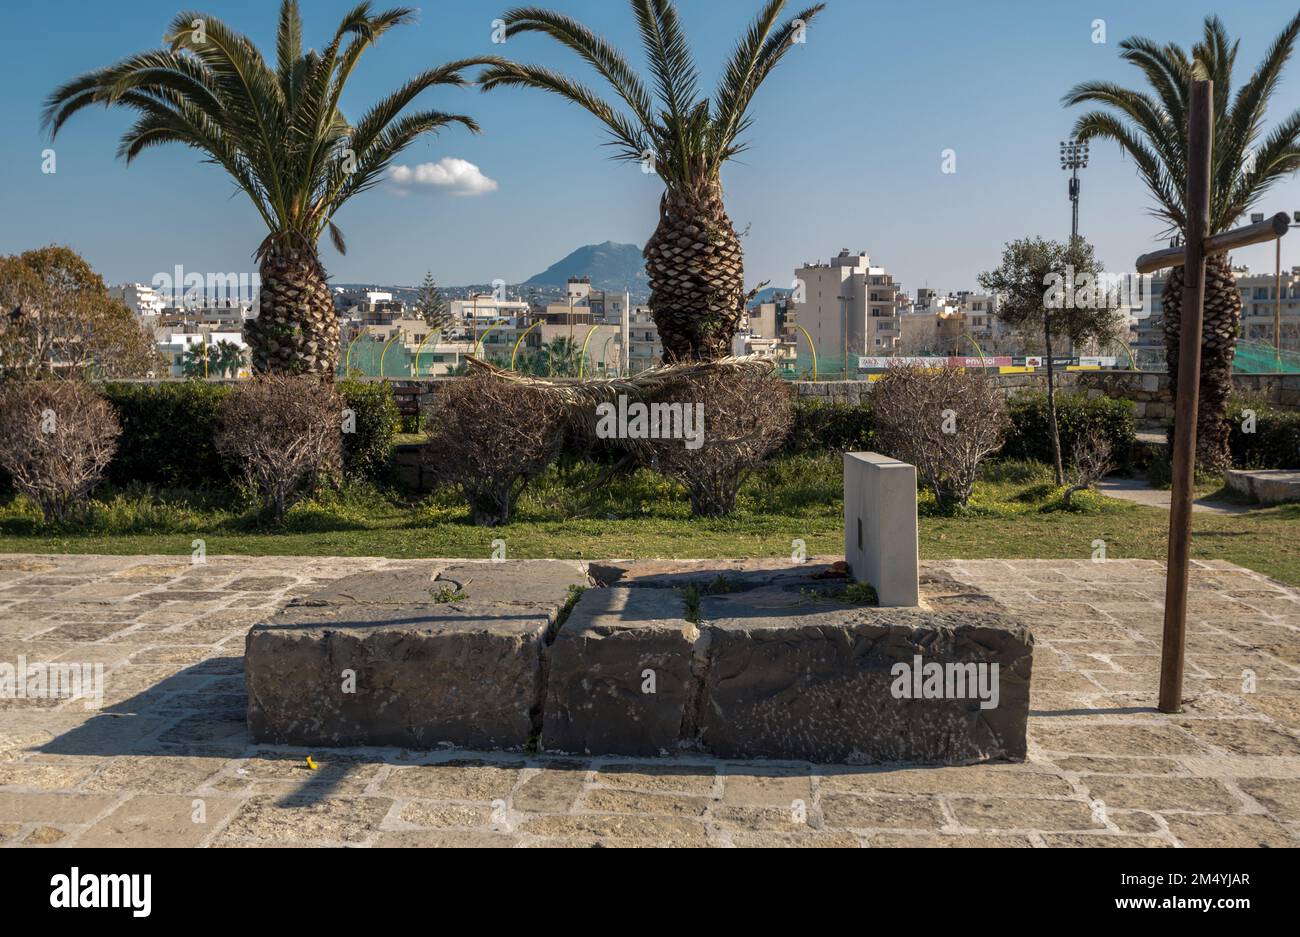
(449, 174)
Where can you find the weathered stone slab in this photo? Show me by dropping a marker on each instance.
(712, 575)
(409, 586)
(793, 676)
(403, 658)
(519, 582)
(462, 674)
(620, 679)
(1265, 486)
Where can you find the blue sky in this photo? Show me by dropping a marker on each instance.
(846, 147)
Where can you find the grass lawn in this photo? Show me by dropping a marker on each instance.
(570, 513)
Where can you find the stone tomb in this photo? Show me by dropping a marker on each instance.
(738, 659)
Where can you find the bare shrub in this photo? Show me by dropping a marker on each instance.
(56, 439)
(1092, 462)
(744, 414)
(945, 421)
(489, 437)
(282, 432)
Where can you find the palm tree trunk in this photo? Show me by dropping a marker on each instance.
(1222, 318)
(296, 330)
(697, 275)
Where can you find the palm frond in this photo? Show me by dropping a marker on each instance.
(602, 56)
(688, 136)
(1154, 129)
(288, 49)
(278, 132)
(626, 134)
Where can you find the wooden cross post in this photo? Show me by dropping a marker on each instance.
(1200, 141)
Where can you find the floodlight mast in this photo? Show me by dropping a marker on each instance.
(1074, 156)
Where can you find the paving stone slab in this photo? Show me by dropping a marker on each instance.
(620, 680)
(516, 582)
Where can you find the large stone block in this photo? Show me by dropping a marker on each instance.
(620, 676)
(404, 658)
(1266, 486)
(794, 676)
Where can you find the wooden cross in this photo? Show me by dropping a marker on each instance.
(1200, 142)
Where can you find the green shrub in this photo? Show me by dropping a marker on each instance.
(1015, 471)
(1160, 471)
(1275, 442)
(1076, 415)
(168, 434)
(368, 451)
(829, 427)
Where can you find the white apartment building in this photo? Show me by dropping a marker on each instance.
(1259, 293)
(482, 310)
(140, 299)
(644, 348)
(847, 306)
(172, 344)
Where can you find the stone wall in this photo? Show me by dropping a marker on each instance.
(1149, 390)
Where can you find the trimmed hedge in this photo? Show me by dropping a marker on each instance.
(368, 452)
(1076, 414)
(836, 427)
(168, 434)
(820, 426)
(1275, 442)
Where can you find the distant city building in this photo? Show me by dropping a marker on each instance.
(481, 311)
(1259, 294)
(644, 348)
(173, 343)
(847, 306)
(144, 301)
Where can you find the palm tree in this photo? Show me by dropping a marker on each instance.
(1151, 127)
(280, 135)
(227, 358)
(198, 361)
(558, 358)
(694, 259)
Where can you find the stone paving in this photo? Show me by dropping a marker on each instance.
(167, 761)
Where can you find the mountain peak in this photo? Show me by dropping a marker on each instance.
(611, 266)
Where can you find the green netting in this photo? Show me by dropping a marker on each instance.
(1254, 358)
(828, 368)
